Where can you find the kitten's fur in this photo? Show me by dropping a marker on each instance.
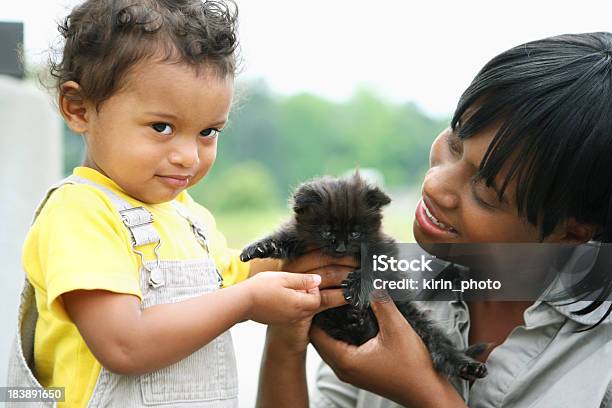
(338, 215)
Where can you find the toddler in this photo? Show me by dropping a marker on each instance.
(130, 288)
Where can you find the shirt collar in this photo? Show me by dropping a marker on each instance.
(588, 319)
(568, 307)
(542, 312)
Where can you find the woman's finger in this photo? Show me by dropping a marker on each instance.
(333, 352)
(332, 275)
(315, 260)
(331, 298)
(390, 320)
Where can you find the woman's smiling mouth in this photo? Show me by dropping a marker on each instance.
(430, 224)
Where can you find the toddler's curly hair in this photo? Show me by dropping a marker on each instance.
(103, 39)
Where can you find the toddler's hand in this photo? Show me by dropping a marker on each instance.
(282, 297)
(293, 337)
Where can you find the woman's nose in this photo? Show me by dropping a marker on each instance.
(441, 187)
(185, 153)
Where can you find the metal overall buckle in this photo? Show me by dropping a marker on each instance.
(133, 217)
(200, 236)
(137, 217)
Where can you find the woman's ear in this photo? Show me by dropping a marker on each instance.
(73, 107)
(573, 232)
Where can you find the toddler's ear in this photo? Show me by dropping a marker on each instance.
(305, 196)
(73, 107)
(376, 198)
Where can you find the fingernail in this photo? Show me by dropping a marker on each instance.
(316, 279)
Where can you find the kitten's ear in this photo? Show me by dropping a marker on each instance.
(376, 198)
(305, 196)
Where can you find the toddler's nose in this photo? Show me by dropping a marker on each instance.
(185, 154)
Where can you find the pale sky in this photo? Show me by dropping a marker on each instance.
(426, 51)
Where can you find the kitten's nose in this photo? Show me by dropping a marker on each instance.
(341, 247)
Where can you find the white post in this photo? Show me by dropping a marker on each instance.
(30, 161)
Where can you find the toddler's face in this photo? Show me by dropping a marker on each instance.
(158, 135)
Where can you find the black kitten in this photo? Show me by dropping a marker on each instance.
(339, 215)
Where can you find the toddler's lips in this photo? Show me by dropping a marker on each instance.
(175, 181)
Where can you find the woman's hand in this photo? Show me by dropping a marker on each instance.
(395, 364)
(283, 364)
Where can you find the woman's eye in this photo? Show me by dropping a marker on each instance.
(210, 133)
(454, 143)
(355, 234)
(163, 128)
(482, 202)
(479, 200)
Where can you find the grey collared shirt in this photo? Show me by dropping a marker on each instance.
(543, 363)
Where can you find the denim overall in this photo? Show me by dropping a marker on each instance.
(207, 378)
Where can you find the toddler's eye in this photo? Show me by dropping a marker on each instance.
(355, 234)
(210, 133)
(163, 128)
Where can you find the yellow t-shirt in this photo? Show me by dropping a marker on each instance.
(79, 242)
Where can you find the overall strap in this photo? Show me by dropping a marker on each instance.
(138, 221)
(198, 229)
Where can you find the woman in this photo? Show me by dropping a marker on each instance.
(527, 158)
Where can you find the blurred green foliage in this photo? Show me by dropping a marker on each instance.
(301, 136)
(272, 143)
(249, 184)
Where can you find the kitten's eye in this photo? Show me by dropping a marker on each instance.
(355, 234)
(163, 128)
(210, 133)
(326, 234)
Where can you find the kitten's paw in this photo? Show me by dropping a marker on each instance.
(351, 289)
(260, 249)
(476, 349)
(472, 370)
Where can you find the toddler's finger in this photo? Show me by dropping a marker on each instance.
(299, 281)
(310, 301)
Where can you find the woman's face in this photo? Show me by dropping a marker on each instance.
(456, 209)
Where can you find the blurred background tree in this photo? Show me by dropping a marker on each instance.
(272, 143)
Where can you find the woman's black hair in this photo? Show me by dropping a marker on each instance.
(552, 101)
